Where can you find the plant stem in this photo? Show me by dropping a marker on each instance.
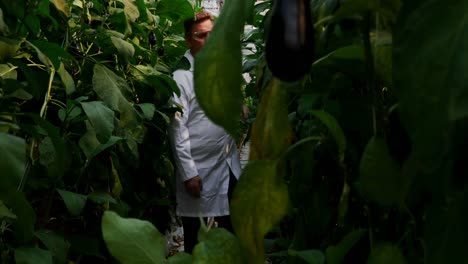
(370, 67)
(42, 114)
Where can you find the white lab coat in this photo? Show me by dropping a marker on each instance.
(200, 148)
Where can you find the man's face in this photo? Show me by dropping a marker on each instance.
(197, 38)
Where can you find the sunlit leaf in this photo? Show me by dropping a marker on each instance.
(218, 68)
(131, 10)
(62, 6)
(218, 246)
(259, 202)
(75, 202)
(132, 240)
(113, 91)
(380, 177)
(124, 48)
(101, 117)
(12, 160)
(67, 79)
(271, 132)
(31, 255)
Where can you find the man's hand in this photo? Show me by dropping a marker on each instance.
(194, 186)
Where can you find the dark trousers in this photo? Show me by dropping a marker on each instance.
(191, 225)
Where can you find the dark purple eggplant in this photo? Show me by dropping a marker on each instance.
(290, 40)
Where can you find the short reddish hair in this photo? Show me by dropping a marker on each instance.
(198, 17)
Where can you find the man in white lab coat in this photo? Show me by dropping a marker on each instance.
(206, 159)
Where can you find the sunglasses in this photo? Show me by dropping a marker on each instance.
(201, 35)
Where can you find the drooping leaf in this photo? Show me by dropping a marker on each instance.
(175, 10)
(113, 91)
(67, 79)
(130, 9)
(53, 51)
(429, 74)
(380, 177)
(445, 228)
(271, 132)
(7, 71)
(55, 243)
(386, 254)
(5, 212)
(180, 258)
(218, 68)
(23, 226)
(4, 29)
(132, 240)
(332, 125)
(12, 160)
(75, 202)
(352, 52)
(148, 110)
(101, 117)
(62, 6)
(124, 48)
(336, 254)
(259, 202)
(311, 256)
(218, 246)
(356, 8)
(32, 255)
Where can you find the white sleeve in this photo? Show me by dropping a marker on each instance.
(180, 136)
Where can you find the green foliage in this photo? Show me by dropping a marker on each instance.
(363, 160)
(221, 56)
(132, 240)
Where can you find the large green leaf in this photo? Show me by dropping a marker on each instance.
(23, 226)
(259, 202)
(380, 177)
(429, 73)
(113, 91)
(12, 160)
(75, 202)
(62, 6)
(218, 68)
(175, 10)
(332, 125)
(55, 243)
(132, 240)
(180, 258)
(217, 246)
(125, 49)
(101, 117)
(386, 254)
(445, 229)
(311, 256)
(336, 254)
(5, 212)
(271, 132)
(53, 51)
(31, 255)
(130, 9)
(67, 79)
(355, 8)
